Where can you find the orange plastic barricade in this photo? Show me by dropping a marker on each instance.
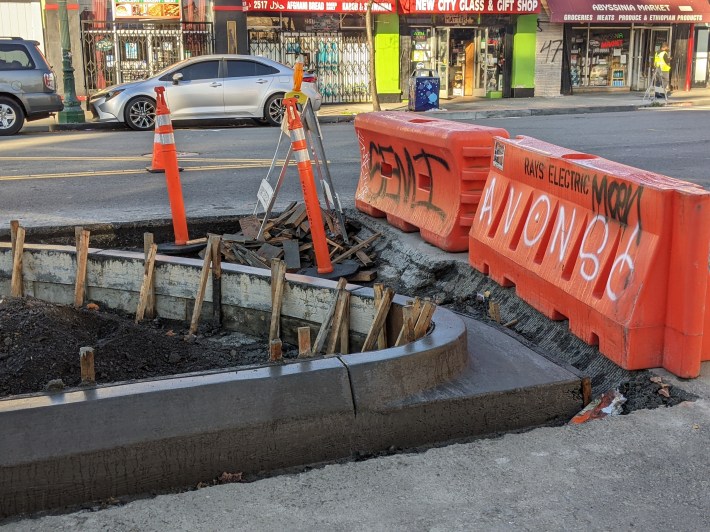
(620, 252)
(423, 174)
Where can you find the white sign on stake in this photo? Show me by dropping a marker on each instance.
(266, 192)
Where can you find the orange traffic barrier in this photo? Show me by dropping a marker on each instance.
(308, 185)
(423, 174)
(621, 253)
(165, 139)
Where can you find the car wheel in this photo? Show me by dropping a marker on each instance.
(274, 110)
(12, 117)
(140, 114)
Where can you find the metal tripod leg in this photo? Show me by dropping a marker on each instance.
(271, 168)
(316, 140)
(272, 200)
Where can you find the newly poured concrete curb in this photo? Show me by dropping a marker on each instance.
(463, 379)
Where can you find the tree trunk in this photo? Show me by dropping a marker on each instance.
(371, 48)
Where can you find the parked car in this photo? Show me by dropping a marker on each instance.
(27, 85)
(208, 87)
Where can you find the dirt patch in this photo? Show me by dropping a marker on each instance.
(40, 342)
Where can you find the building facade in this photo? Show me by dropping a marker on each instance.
(610, 47)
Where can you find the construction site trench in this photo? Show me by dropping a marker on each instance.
(39, 341)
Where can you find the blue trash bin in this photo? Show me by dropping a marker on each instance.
(423, 91)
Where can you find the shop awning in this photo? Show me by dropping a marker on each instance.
(320, 6)
(466, 7)
(637, 12)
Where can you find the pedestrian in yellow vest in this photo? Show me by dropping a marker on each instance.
(662, 62)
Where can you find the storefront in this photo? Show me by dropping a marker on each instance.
(329, 36)
(611, 46)
(126, 40)
(469, 44)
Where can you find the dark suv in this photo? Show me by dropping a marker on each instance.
(27, 85)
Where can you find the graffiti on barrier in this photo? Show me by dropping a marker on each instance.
(565, 231)
(412, 175)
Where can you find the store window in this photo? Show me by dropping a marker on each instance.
(599, 57)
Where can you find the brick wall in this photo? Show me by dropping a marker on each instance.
(548, 57)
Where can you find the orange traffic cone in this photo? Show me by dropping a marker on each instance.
(310, 194)
(167, 154)
(163, 126)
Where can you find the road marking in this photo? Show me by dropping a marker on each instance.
(134, 158)
(96, 173)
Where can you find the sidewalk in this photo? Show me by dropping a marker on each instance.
(467, 108)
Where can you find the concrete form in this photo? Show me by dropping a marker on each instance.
(463, 379)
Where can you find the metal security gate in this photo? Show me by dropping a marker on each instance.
(116, 52)
(340, 59)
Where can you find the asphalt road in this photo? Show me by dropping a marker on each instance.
(83, 177)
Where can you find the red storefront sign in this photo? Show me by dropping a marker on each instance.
(320, 6)
(515, 7)
(640, 11)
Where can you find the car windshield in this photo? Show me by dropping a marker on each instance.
(168, 68)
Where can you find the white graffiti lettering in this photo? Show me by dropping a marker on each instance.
(592, 257)
(536, 219)
(624, 258)
(487, 205)
(560, 231)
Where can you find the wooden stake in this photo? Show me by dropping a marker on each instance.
(325, 326)
(345, 328)
(278, 278)
(379, 289)
(16, 285)
(86, 358)
(379, 320)
(424, 319)
(217, 282)
(406, 334)
(144, 295)
(341, 306)
(494, 311)
(14, 226)
(304, 342)
(202, 287)
(82, 256)
(150, 311)
(275, 353)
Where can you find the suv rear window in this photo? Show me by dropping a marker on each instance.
(15, 57)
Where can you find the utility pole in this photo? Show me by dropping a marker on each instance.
(72, 113)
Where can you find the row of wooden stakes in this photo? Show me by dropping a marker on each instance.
(334, 332)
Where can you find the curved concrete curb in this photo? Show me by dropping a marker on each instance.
(464, 379)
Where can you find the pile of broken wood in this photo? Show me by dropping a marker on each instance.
(288, 237)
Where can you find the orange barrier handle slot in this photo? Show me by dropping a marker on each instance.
(310, 193)
(172, 176)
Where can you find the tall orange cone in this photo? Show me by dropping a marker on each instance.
(168, 155)
(310, 194)
(163, 126)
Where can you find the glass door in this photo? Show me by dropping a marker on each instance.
(639, 76)
(442, 60)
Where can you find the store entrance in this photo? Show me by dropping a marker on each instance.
(701, 65)
(465, 61)
(646, 42)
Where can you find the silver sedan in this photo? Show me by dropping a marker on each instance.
(208, 87)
